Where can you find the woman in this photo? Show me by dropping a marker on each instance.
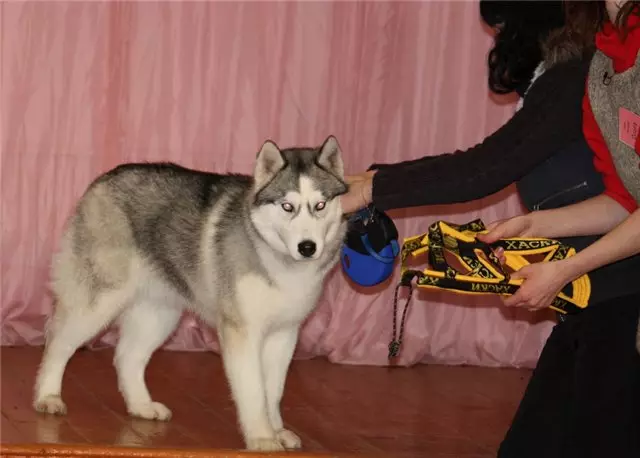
(542, 148)
(583, 399)
(530, 44)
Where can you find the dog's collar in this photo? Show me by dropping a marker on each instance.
(485, 274)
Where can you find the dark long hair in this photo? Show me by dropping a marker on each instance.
(584, 18)
(521, 27)
(630, 8)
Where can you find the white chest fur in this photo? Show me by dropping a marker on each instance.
(286, 300)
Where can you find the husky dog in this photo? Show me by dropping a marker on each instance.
(248, 254)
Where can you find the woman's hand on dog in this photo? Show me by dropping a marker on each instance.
(359, 194)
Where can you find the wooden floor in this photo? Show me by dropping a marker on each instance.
(425, 411)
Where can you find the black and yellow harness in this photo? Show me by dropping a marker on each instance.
(483, 272)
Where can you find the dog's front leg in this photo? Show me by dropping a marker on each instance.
(276, 356)
(241, 355)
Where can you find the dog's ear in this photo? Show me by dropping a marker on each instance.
(268, 162)
(331, 156)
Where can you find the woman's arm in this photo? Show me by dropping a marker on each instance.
(623, 240)
(620, 243)
(549, 120)
(594, 216)
(598, 215)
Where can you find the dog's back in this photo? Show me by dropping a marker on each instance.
(140, 219)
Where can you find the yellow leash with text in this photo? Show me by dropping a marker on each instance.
(482, 271)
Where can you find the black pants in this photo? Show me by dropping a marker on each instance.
(583, 399)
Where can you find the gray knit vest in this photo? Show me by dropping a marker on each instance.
(619, 90)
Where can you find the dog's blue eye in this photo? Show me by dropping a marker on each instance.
(320, 205)
(287, 207)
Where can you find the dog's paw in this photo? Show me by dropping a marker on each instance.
(51, 404)
(150, 411)
(264, 444)
(289, 439)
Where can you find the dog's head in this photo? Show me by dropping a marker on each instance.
(294, 200)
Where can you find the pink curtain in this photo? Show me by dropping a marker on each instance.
(89, 85)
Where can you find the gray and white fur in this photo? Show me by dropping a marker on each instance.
(248, 254)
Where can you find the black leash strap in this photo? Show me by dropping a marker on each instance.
(396, 342)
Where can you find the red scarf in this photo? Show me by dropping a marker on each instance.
(622, 52)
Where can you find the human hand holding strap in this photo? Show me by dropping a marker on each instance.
(501, 267)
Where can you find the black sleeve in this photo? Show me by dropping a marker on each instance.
(550, 118)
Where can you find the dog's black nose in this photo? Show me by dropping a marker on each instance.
(306, 248)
